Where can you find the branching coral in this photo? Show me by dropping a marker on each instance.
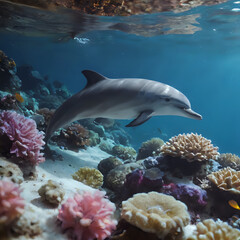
(52, 192)
(192, 147)
(229, 160)
(226, 179)
(89, 176)
(26, 140)
(156, 213)
(209, 230)
(150, 148)
(88, 216)
(11, 203)
(74, 137)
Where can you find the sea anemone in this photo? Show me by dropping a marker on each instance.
(11, 204)
(26, 140)
(88, 215)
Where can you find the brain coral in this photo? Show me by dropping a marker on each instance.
(192, 147)
(155, 213)
(229, 160)
(226, 179)
(88, 216)
(11, 204)
(26, 140)
(211, 230)
(150, 148)
(89, 176)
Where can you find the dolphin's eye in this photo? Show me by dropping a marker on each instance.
(167, 99)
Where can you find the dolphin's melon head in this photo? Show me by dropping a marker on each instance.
(176, 103)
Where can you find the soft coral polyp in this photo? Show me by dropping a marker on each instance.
(88, 215)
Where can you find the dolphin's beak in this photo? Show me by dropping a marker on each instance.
(192, 114)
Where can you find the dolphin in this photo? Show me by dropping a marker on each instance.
(123, 98)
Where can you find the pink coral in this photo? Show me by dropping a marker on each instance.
(26, 140)
(88, 215)
(11, 204)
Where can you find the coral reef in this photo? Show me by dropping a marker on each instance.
(155, 213)
(94, 138)
(116, 177)
(209, 229)
(88, 216)
(192, 195)
(140, 181)
(28, 224)
(89, 176)
(74, 137)
(107, 164)
(47, 114)
(8, 79)
(192, 147)
(124, 153)
(8, 102)
(10, 171)
(226, 179)
(52, 192)
(150, 148)
(150, 162)
(25, 140)
(229, 160)
(11, 203)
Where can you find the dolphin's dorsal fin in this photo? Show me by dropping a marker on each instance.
(92, 77)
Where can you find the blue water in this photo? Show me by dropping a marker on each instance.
(204, 66)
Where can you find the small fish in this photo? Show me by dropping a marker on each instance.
(19, 97)
(159, 130)
(233, 204)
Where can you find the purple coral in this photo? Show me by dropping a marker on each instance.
(192, 195)
(26, 140)
(88, 216)
(140, 181)
(11, 204)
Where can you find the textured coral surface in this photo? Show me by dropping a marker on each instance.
(11, 203)
(26, 140)
(229, 160)
(89, 176)
(88, 215)
(192, 147)
(226, 179)
(155, 213)
(52, 192)
(211, 230)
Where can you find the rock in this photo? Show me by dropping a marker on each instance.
(116, 177)
(10, 170)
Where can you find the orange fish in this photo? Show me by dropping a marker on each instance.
(234, 204)
(19, 97)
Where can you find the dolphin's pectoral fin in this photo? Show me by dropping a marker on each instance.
(142, 118)
(92, 77)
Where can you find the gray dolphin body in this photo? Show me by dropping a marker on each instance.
(124, 98)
